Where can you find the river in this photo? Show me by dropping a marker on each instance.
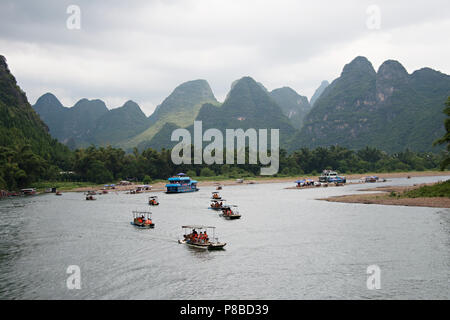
(286, 246)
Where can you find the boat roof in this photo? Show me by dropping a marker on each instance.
(197, 227)
(153, 197)
(141, 212)
(218, 200)
(179, 179)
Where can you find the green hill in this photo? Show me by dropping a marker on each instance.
(180, 108)
(389, 109)
(324, 84)
(90, 121)
(293, 105)
(247, 105)
(27, 151)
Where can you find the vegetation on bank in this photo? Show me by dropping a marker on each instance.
(441, 189)
(446, 138)
(99, 165)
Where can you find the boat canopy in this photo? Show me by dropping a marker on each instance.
(137, 213)
(198, 227)
(179, 179)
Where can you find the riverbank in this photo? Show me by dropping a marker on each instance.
(159, 186)
(397, 196)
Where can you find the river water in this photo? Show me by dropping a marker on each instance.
(286, 246)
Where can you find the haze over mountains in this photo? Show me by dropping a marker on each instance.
(388, 109)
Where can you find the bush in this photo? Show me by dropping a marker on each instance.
(147, 180)
(191, 173)
(207, 172)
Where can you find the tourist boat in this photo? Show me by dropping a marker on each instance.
(28, 191)
(217, 204)
(90, 197)
(329, 175)
(230, 212)
(58, 193)
(142, 219)
(153, 201)
(216, 196)
(91, 193)
(371, 179)
(304, 183)
(181, 183)
(219, 187)
(201, 239)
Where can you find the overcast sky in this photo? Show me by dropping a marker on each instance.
(141, 50)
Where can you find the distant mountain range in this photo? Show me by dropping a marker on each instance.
(90, 121)
(388, 109)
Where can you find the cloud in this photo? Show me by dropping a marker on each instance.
(143, 49)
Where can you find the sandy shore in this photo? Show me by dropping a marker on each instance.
(160, 186)
(383, 197)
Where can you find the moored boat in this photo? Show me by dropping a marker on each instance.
(181, 183)
(331, 176)
(28, 191)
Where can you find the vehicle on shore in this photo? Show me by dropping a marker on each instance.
(142, 219)
(181, 183)
(201, 239)
(153, 201)
(230, 212)
(331, 176)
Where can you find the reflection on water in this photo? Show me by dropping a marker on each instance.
(286, 246)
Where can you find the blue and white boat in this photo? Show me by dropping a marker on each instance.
(181, 183)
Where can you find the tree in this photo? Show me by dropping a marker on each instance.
(206, 172)
(147, 180)
(446, 138)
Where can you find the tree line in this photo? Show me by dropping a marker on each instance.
(21, 166)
